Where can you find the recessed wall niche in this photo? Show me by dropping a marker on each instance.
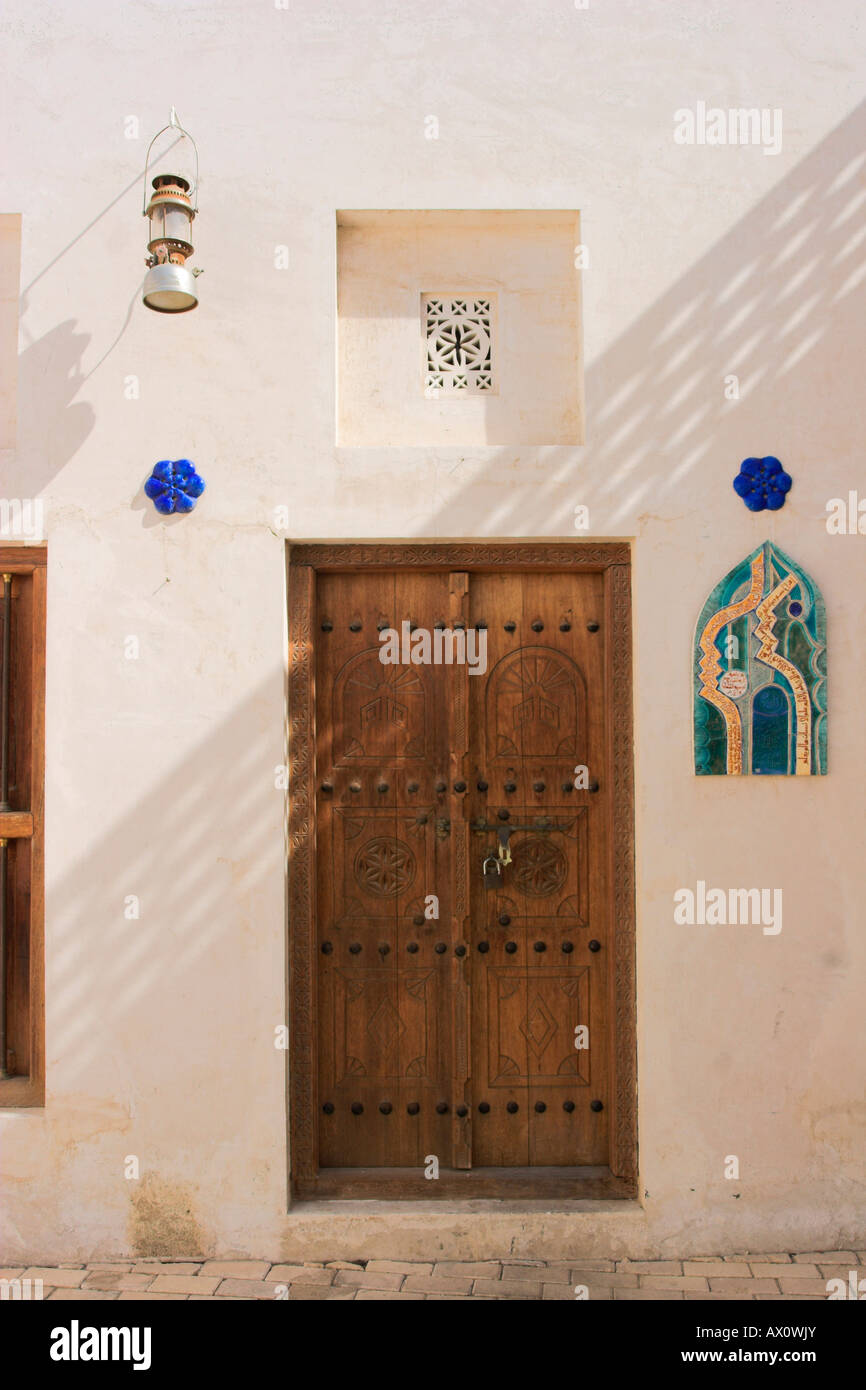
(458, 328)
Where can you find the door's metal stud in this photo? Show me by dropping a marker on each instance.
(462, 1111)
(354, 787)
(384, 949)
(596, 1105)
(440, 948)
(538, 625)
(567, 948)
(327, 788)
(504, 815)
(484, 1108)
(327, 627)
(594, 945)
(385, 1108)
(568, 787)
(442, 1108)
(355, 948)
(421, 819)
(327, 948)
(511, 786)
(481, 626)
(593, 627)
(440, 626)
(539, 946)
(460, 950)
(382, 627)
(540, 1107)
(565, 627)
(568, 1106)
(412, 948)
(504, 919)
(510, 627)
(357, 1108)
(512, 1107)
(484, 947)
(381, 786)
(460, 786)
(328, 1107)
(441, 786)
(412, 1108)
(418, 919)
(355, 627)
(538, 786)
(412, 787)
(593, 786)
(482, 786)
(459, 624)
(511, 947)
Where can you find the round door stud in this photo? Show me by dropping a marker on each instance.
(482, 785)
(385, 1108)
(327, 626)
(511, 947)
(354, 786)
(421, 819)
(418, 919)
(460, 786)
(442, 1108)
(593, 786)
(412, 1108)
(511, 786)
(596, 1105)
(384, 949)
(538, 625)
(595, 945)
(568, 1106)
(463, 1111)
(510, 627)
(512, 1107)
(382, 787)
(539, 946)
(460, 950)
(441, 786)
(439, 625)
(357, 1108)
(412, 948)
(355, 948)
(327, 948)
(327, 788)
(567, 948)
(484, 1108)
(328, 1107)
(592, 627)
(504, 919)
(538, 786)
(504, 815)
(412, 787)
(565, 627)
(568, 787)
(440, 948)
(382, 627)
(355, 626)
(540, 1107)
(484, 947)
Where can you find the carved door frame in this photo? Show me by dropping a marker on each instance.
(305, 561)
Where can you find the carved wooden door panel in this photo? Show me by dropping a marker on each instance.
(457, 1015)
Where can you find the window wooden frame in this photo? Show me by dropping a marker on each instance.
(23, 827)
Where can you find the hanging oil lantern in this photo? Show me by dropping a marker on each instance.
(169, 286)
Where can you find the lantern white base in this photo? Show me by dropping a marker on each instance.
(169, 289)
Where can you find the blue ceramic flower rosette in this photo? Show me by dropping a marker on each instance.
(763, 484)
(174, 486)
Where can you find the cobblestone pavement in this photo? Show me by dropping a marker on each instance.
(777, 1276)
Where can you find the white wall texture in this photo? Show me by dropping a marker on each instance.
(704, 261)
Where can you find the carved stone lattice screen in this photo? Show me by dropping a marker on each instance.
(760, 671)
(458, 339)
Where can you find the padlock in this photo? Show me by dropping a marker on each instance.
(491, 870)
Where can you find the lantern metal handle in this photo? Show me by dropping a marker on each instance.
(173, 124)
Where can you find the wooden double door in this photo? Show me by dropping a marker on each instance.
(461, 959)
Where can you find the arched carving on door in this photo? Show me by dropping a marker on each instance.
(536, 705)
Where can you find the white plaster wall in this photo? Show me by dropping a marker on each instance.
(704, 261)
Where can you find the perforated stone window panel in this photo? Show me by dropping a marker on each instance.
(458, 339)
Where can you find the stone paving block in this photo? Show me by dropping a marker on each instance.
(300, 1274)
(718, 1269)
(825, 1257)
(183, 1283)
(725, 1297)
(147, 1297)
(778, 1259)
(81, 1296)
(814, 1286)
(246, 1288)
(509, 1288)
(792, 1271)
(360, 1279)
(106, 1279)
(307, 1293)
(12, 1273)
(843, 1272)
(632, 1295)
(564, 1293)
(788, 1298)
(592, 1266)
(610, 1281)
(649, 1266)
(57, 1278)
(522, 1275)
(433, 1283)
(398, 1267)
(691, 1283)
(342, 1264)
(165, 1267)
(477, 1269)
(743, 1286)
(114, 1266)
(387, 1295)
(236, 1269)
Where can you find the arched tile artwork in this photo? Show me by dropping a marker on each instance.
(760, 668)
